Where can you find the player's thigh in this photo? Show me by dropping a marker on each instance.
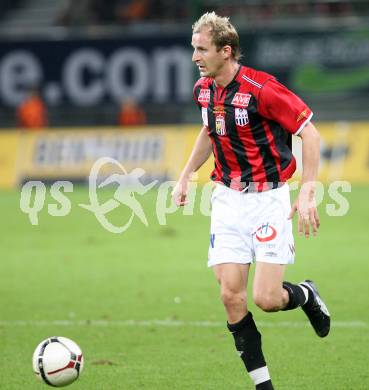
(273, 237)
(268, 279)
(229, 244)
(232, 276)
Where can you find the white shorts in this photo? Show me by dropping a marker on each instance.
(251, 226)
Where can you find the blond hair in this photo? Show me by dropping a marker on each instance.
(222, 31)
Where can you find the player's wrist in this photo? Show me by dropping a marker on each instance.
(308, 186)
(186, 176)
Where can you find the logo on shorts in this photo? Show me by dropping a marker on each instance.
(204, 96)
(292, 248)
(266, 233)
(212, 240)
(271, 254)
(241, 117)
(241, 99)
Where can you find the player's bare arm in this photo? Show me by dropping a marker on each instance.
(200, 154)
(305, 204)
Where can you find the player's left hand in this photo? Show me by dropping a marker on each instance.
(307, 212)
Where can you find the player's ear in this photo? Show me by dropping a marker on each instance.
(227, 51)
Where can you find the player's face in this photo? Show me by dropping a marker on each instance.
(205, 54)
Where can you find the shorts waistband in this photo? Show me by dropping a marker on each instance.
(253, 187)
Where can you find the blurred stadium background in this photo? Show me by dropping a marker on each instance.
(120, 63)
(88, 56)
(90, 78)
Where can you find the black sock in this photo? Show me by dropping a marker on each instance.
(264, 386)
(248, 344)
(296, 296)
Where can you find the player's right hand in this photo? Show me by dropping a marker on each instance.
(179, 193)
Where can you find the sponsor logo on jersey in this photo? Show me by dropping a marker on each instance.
(266, 233)
(220, 125)
(204, 96)
(241, 116)
(302, 115)
(218, 110)
(204, 114)
(241, 99)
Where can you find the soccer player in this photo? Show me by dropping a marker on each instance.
(248, 120)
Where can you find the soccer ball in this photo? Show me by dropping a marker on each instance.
(57, 361)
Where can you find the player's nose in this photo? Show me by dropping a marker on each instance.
(195, 56)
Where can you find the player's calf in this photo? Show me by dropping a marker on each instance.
(248, 344)
(297, 295)
(269, 301)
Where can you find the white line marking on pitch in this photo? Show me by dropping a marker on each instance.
(171, 323)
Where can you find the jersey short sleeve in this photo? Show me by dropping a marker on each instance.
(196, 91)
(278, 103)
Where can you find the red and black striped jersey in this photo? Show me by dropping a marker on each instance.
(250, 123)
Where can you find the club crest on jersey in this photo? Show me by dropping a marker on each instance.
(241, 99)
(241, 116)
(204, 96)
(220, 125)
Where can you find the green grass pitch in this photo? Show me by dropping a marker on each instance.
(146, 311)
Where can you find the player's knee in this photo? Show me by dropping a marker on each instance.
(231, 298)
(267, 301)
